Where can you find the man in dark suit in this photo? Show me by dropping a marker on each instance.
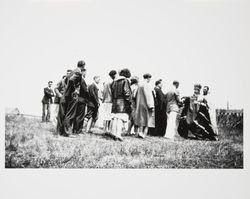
(47, 101)
(93, 104)
(68, 101)
(82, 100)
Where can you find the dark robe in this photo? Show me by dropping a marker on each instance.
(195, 121)
(160, 113)
(80, 107)
(68, 105)
(61, 86)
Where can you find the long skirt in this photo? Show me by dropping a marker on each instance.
(118, 123)
(172, 125)
(107, 107)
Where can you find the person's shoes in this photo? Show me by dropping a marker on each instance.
(119, 139)
(65, 135)
(72, 136)
(129, 134)
(141, 135)
(107, 134)
(90, 132)
(179, 138)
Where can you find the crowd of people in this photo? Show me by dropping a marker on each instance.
(130, 107)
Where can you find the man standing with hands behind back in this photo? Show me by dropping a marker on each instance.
(47, 101)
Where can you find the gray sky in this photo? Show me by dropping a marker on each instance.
(188, 40)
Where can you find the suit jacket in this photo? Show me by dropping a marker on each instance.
(48, 94)
(60, 89)
(173, 100)
(83, 92)
(73, 83)
(93, 96)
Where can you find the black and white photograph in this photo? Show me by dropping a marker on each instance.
(125, 86)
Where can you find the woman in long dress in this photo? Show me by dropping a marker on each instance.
(144, 113)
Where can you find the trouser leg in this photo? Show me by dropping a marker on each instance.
(114, 126)
(56, 109)
(89, 124)
(91, 117)
(108, 125)
(48, 106)
(70, 115)
(43, 112)
(79, 119)
(61, 116)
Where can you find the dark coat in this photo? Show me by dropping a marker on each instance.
(195, 120)
(48, 94)
(73, 83)
(160, 113)
(121, 96)
(93, 96)
(60, 89)
(83, 92)
(144, 114)
(173, 100)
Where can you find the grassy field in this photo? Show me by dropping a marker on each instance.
(31, 144)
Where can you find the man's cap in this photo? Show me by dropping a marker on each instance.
(69, 71)
(50, 82)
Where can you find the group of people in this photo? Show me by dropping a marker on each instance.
(130, 106)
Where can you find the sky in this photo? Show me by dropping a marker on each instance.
(193, 41)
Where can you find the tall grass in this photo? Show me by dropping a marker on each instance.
(31, 144)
